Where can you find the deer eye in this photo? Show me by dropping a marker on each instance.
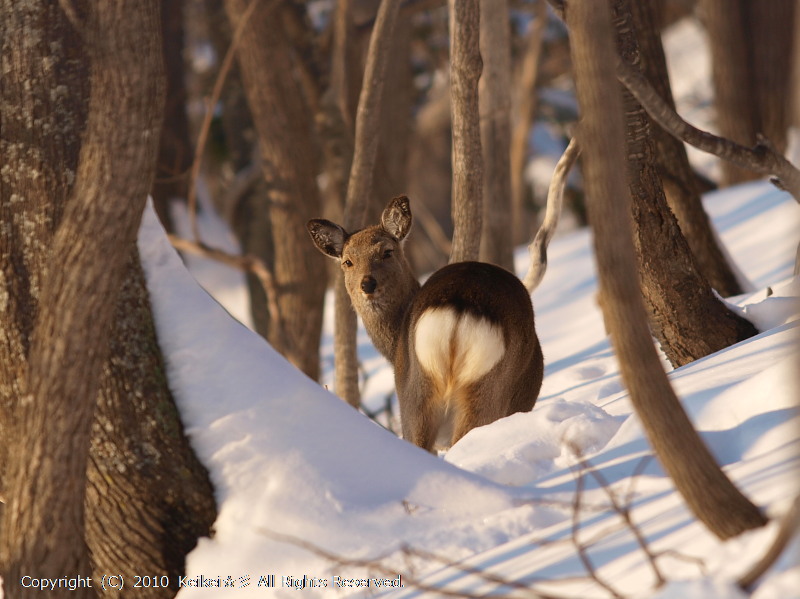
(347, 263)
(387, 254)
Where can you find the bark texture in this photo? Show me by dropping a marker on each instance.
(709, 494)
(680, 183)
(81, 381)
(465, 71)
(44, 523)
(687, 318)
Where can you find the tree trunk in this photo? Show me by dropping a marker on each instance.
(680, 183)
(47, 472)
(61, 274)
(359, 188)
(709, 494)
(465, 71)
(526, 101)
(144, 481)
(283, 123)
(751, 49)
(686, 316)
(495, 121)
(175, 149)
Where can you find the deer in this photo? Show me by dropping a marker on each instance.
(463, 346)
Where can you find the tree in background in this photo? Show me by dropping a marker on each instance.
(495, 112)
(465, 71)
(283, 123)
(94, 454)
(751, 44)
(707, 491)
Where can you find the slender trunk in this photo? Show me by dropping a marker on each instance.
(526, 101)
(495, 120)
(465, 71)
(709, 494)
(359, 188)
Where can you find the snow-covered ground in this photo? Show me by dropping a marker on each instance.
(311, 491)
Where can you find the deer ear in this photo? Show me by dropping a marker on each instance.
(396, 217)
(327, 236)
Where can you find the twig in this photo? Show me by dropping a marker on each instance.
(202, 136)
(583, 554)
(374, 564)
(625, 514)
(762, 158)
(788, 528)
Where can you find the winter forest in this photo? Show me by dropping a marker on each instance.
(266, 278)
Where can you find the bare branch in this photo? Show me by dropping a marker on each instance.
(374, 564)
(583, 555)
(246, 263)
(762, 158)
(216, 92)
(555, 198)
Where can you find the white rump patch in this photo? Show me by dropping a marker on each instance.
(456, 349)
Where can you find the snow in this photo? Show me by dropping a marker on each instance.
(300, 477)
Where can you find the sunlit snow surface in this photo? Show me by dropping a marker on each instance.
(288, 459)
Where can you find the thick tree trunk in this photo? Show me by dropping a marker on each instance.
(710, 495)
(495, 118)
(687, 318)
(144, 481)
(465, 71)
(283, 123)
(680, 183)
(62, 276)
(44, 519)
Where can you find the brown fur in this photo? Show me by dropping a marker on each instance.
(481, 299)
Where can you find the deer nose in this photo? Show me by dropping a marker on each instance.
(368, 284)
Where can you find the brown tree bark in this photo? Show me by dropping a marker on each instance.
(465, 71)
(175, 148)
(707, 491)
(45, 514)
(283, 122)
(64, 275)
(495, 123)
(687, 318)
(751, 53)
(680, 183)
(359, 188)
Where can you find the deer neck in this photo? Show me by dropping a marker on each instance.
(384, 317)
